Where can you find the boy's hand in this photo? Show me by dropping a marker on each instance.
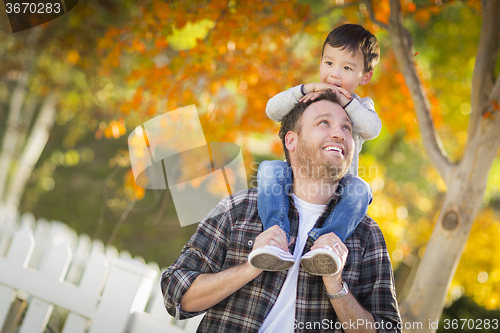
(310, 96)
(316, 86)
(314, 89)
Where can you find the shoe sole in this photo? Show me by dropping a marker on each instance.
(320, 264)
(269, 262)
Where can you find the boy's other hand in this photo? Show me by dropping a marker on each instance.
(316, 86)
(314, 89)
(343, 95)
(310, 96)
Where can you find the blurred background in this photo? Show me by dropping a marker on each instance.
(73, 89)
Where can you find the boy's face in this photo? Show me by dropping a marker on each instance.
(343, 69)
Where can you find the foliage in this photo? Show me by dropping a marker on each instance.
(60, 58)
(463, 312)
(478, 274)
(213, 54)
(238, 63)
(229, 58)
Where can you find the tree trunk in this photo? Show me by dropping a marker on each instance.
(425, 300)
(15, 134)
(465, 180)
(32, 151)
(11, 135)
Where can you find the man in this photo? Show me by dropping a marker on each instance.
(213, 274)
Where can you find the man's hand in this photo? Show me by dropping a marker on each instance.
(332, 283)
(273, 236)
(314, 89)
(347, 307)
(209, 289)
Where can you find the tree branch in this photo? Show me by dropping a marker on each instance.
(217, 21)
(487, 53)
(163, 208)
(100, 220)
(402, 45)
(120, 222)
(27, 117)
(371, 13)
(328, 11)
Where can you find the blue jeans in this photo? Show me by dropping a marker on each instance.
(274, 180)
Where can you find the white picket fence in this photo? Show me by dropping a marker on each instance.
(94, 288)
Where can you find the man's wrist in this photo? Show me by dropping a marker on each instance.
(344, 290)
(251, 271)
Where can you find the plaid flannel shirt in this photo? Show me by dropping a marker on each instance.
(225, 238)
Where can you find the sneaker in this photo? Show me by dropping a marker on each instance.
(271, 258)
(322, 262)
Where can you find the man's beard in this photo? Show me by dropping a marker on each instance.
(314, 165)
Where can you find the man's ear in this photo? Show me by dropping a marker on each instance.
(366, 78)
(291, 141)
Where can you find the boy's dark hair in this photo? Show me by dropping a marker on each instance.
(355, 38)
(291, 122)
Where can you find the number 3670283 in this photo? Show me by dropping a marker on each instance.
(471, 324)
(33, 8)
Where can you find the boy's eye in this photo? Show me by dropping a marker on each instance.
(329, 63)
(347, 68)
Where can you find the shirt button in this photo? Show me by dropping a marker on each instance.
(250, 243)
(277, 286)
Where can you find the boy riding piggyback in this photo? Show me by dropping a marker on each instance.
(350, 53)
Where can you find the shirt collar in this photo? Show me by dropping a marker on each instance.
(333, 199)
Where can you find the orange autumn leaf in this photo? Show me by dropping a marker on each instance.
(135, 192)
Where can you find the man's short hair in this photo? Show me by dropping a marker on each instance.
(355, 38)
(291, 122)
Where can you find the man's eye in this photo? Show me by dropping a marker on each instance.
(347, 128)
(324, 122)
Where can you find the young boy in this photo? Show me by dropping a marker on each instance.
(350, 52)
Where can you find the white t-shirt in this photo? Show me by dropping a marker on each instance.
(282, 315)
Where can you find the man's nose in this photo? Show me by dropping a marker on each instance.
(337, 133)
